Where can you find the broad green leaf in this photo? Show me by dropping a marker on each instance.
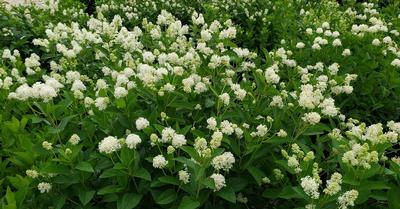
(142, 173)
(189, 203)
(111, 173)
(86, 196)
(227, 193)
(85, 166)
(129, 201)
(10, 197)
(169, 180)
(257, 174)
(164, 197)
(393, 196)
(109, 189)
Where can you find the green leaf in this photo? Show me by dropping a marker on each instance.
(10, 197)
(317, 129)
(129, 201)
(227, 193)
(142, 173)
(111, 173)
(109, 189)
(257, 174)
(393, 197)
(85, 166)
(189, 203)
(191, 152)
(169, 180)
(86, 196)
(165, 197)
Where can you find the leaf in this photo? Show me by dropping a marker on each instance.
(109, 189)
(85, 166)
(189, 203)
(169, 180)
(191, 152)
(111, 173)
(317, 129)
(257, 174)
(227, 193)
(86, 196)
(10, 197)
(143, 174)
(393, 197)
(165, 197)
(129, 201)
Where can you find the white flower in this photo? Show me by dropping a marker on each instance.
(224, 98)
(178, 140)
(396, 63)
(224, 161)
(142, 123)
(120, 92)
(32, 173)
(216, 139)
(300, 45)
(44, 187)
(219, 181)
(109, 145)
(101, 102)
(74, 139)
(310, 187)
(212, 123)
(281, 133)
(333, 184)
(346, 52)
(336, 42)
(159, 161)
(311, 118)
(132, 140)
(376, 42)
(184, 176)
(271, 76)
(47, 145)
(167, 134)
(347, 199)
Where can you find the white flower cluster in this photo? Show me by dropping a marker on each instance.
(347, 199)
(310, 187)
(359, 155)
(219, 181)
(159, 161)
(44, 187)
(333, 184)
(224, 161)
(109, 145)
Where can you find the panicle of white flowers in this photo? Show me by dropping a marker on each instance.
(347, 199)
(47, 145)
(159, 161)
(224, 161)
(32, 173)
(44, 187)
(184, 176)
(310, 187)
(132, 140)
(359, 155)
(219, 181)
(74, 139)
(142, 123)
(333, 184)
(109, 145)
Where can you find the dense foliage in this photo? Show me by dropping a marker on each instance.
(200, 104)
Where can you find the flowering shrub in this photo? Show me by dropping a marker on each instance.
(168, 104)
